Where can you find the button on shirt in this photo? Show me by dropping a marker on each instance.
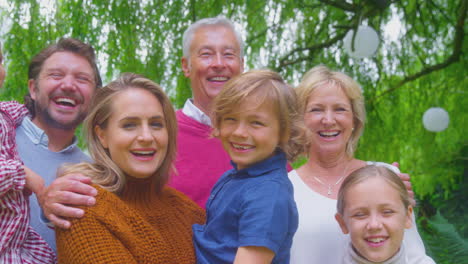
(249, 207)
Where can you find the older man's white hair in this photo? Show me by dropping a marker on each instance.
(211, 21)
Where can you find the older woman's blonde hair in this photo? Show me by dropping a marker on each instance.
(322, 76)
(368, 172)
(265, 86)
(104, 171)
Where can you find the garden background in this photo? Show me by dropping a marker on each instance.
(420, 63)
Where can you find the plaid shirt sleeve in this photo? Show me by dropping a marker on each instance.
(12, 175)
(19, 243)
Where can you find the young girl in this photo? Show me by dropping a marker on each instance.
(19, 243)
(251, 213)
(374, 208)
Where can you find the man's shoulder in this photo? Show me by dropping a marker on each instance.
(83, 155)
(191, 127)
(184, 119)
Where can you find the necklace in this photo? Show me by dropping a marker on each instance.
(330, 186)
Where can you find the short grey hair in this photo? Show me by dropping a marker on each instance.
(210, 21)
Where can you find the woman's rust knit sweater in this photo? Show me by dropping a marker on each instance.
(137, 226)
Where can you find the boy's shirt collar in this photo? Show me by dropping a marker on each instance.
(277, 161)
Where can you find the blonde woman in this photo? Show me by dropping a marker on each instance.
(334, 113)
(131, 131)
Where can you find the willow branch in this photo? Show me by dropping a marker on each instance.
(256, 36)
(454, 57)
(193, 10)
(285, 62)
(341, 5)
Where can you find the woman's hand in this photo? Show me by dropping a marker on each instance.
(406, 180)
(71, 189)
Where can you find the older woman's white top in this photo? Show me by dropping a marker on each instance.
(319, 239)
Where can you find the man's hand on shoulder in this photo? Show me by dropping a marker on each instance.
(58, 199)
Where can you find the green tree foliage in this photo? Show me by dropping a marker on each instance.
(421, 61)
(446, 244)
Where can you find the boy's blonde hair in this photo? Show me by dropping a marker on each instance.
(368, 172)
(266, 86)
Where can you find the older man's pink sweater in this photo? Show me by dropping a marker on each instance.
(200, 160)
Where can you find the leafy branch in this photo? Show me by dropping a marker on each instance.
(360, 11)
(454, 57)
(284, 61)
(341, 5)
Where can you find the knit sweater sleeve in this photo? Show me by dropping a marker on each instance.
(90, 240)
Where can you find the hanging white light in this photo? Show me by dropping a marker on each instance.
(436, 119)
(366, 42)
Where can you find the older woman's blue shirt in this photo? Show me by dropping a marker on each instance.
(249, 207)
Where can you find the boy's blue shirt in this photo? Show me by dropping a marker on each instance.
(249, 207)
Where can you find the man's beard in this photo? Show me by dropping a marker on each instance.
(50, 121)
(43, 112)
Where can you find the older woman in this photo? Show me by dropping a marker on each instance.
(131, 132)
(335, 115)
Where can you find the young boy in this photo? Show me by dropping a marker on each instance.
(251, 213)
(19, 243)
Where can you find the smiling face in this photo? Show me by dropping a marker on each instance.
(214, 59)
(329, 116)
(252, 135)
(136, 135)
(375, 217)
(63, 91)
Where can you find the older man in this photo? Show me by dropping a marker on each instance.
(62, 80)
(212, 54)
